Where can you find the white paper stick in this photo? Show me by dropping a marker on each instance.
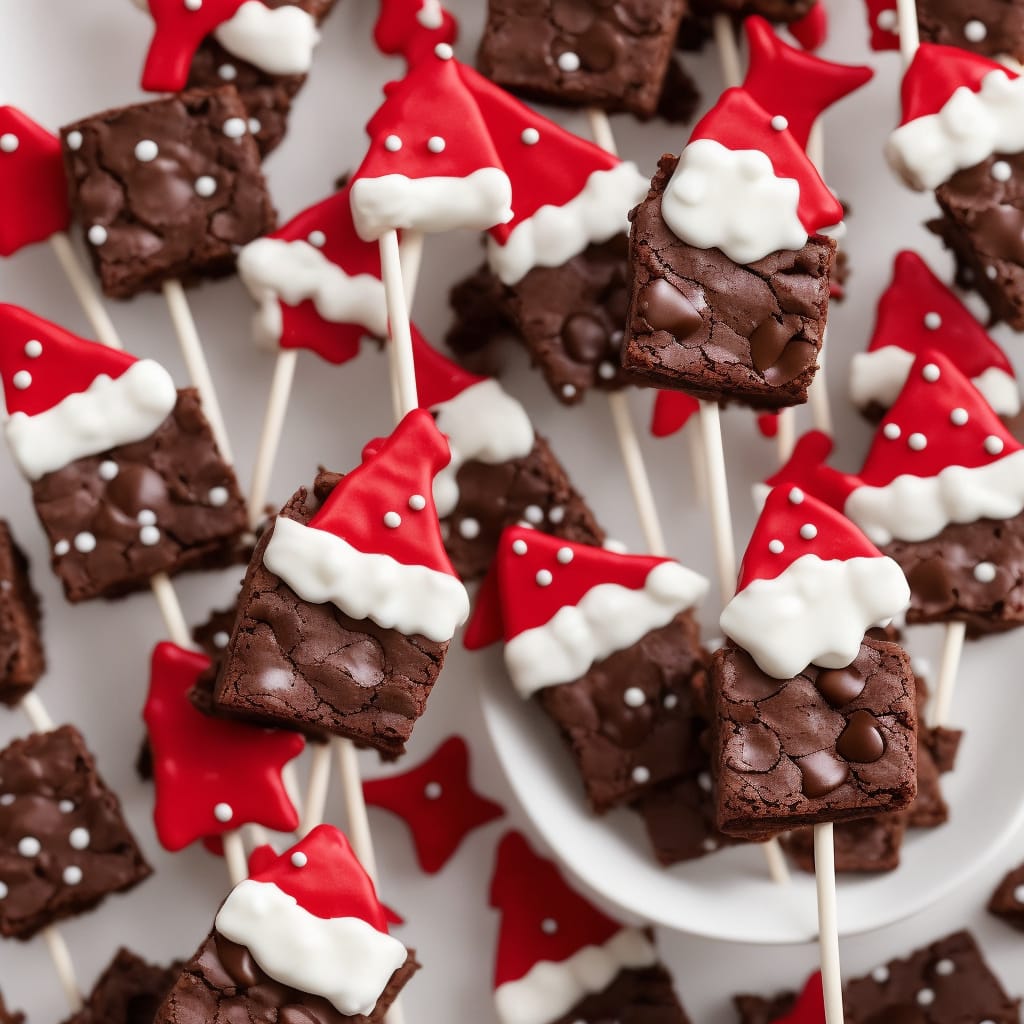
(64, 966)
(949, 666)
(728, 50)
(36, 713)
(778, 870)
(906, 22)
(400, 344)
(81, 284)
(828, 922)
(170, 609)
(316, 792)
(234, 857)
(601, 130)
(821, 407)
(718, 493)
(270, 436)
(698, 471)
(785, 435)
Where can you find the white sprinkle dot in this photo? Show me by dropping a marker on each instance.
(469, 528)
(255, 125)
(436, 144)
(549, 926)
(299, 859)
(193, 5)
(930, 372)
(925, 997)
(808, 531)
(33, 348)
(29, 846)
(85, 542)
(72, 875)
(392, 520)
(519, 546)
(568, 391)
(641, 775)
(709, 844)
(79, 839)
(780, 123)
(993, 444)
(62, 547)
(984, 572)
(975, 31)
(392, 143)
(796, 496)
(556, 514)
(880, 974)
(6, 799)
(670, 701)
(205, 186)
(958, 417)
(147, 517)
(534, 514)
(317, 239)
(150, 536)
(704, 781)
(530, 136)
(887, 21)
(218, 496)
(3, 891)
(220, 639)
(606, 371)
(74, 140)
(892, 431)
(564, 556)
(634, 697)
(933, 322)
(569, 61)
(1001, 171)
(146, 151)
(22, 379)
(228, 72)
(776, 547)
(66, 806)
(433, 790)
(417, 502)
(97, 234)
(945, 968)
(235, 127)
(917, 442)
(991, 273)
(544, 578)
(223, 812)
(9, 142)
(444, 51)
(1018, 894)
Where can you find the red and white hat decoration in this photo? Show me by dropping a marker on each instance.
(68, 398)
(312, 921)
(811, 31)
(883, 24)
(561, 607)
(672, 411)
(374, 548)
(212, 775)
(414, 28)
(278, 40)
(918, 312)
(554, 947)
(959, 109)
(481, 420)
(33, 187)
(810, 586)
(317, 283)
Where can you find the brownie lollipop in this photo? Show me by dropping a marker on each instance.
(560, 960)
(304, 938)
(129, 991)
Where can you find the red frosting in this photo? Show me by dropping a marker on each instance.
(797, 85)
(921, 435)
(200, 762)
(33, 188)
(438, 379)
(806, 469)
(882, 37)
(768, 424)
(811, 31)
(542, 919)
(412, 28)
(936, 72)
(181, 25)
(672, 411)
(437, 801)
(810, 1004)
(66, 364)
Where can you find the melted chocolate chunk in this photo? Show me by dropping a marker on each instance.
(22, 660)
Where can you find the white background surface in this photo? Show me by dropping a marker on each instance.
(62, 59)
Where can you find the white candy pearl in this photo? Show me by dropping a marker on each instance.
(984, 572)
(205, 186)
(634, 697)
(72, 875)
(975, 31)
(85, 542)
(533, 514)
(223, 812)
(146, 151)
(469, 528)
(543, 578)
(22, 380)
(150, 536)
(9, 142)
(29, 846)
(218, 496)
(74, 140)
(392, 520)
(79, 839)
(519, 547)
(530, 136)
(235, 127)
(299, 859)
(1001, 171)
(641, 775)
(433, 790)
(417, 502)
(33, 348)
(97, 234)
(569, 61)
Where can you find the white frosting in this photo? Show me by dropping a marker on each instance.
(483, 423)
(550, 990)
(815, 612)
(969, 128)
(555, 234)
(879, 376)
(278, 40)
(344, 959)
(732, 200)
(914, 508)
(277, 271)
(321, 567)
(107, 414)
(608, 618)
(431, 204)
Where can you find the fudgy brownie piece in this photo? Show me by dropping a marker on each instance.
(718, 330)
(164, 504)
(760, 1010)
(212, 636)
(129, 991)
(636, 996)
(1007, 902)
(22, 660)
(696, 27)
(992, 28)
(64, 845)
(982, 224)
(299, 665)
(861, 847)
(9, 1016)
(680, 96)
(827, 745)
(609, 55)
(223, 982)
(167, 190)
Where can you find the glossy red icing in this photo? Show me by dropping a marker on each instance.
(768, 424)
(810, 1004)
(811, 31)
(33, 188)
(936, 72)
(795, 84)
(882, 22)
(66, 364)
(200, 762)
(672, 411)
(436, 799)
(438, 379)
(412, 28)
(807, 470)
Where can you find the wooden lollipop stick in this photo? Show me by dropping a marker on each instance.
(400, 349)
(949, 667)
(718, 493)
(821, 409)
(270, 436)
(319, 785)
(828, 922)
(906, 21)
(234, 857)
(81, 284)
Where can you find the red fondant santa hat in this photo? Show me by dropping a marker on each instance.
(312, 921)
(414, 28)
(554, 947)
(212, 775)
(810, 586)
(33, 188)
(917, 312)
(68, 398)
(374, 549)
(745, 185)
(431, 165)
(959, 109)
(883, 24)
(672, 411)
(567, 193)
(561, 607)
(317, 283)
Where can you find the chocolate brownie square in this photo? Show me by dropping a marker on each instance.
(1007, 902)
(267, 97)
(864, 846)
(223, 982)
(982, 224)
(993, 28)
(64, 845)
(718, 330)
(297, 665)
(643, 995)
(167, 190)
(591, 54)
(827, 745)
(167, 503)
(129, 991)
(9, 1016)
(22, 660)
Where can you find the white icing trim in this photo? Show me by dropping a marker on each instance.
(277, 271)
(914, 508)
(555, 234)
(278, 40)
(431, 204)
(345, 960)
(483, 423)
(321, 567)
(815, 612)
(109, 413)
(1001, 390)
(732, 200)
(970, 127)
(550, 990)
(608, 618)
